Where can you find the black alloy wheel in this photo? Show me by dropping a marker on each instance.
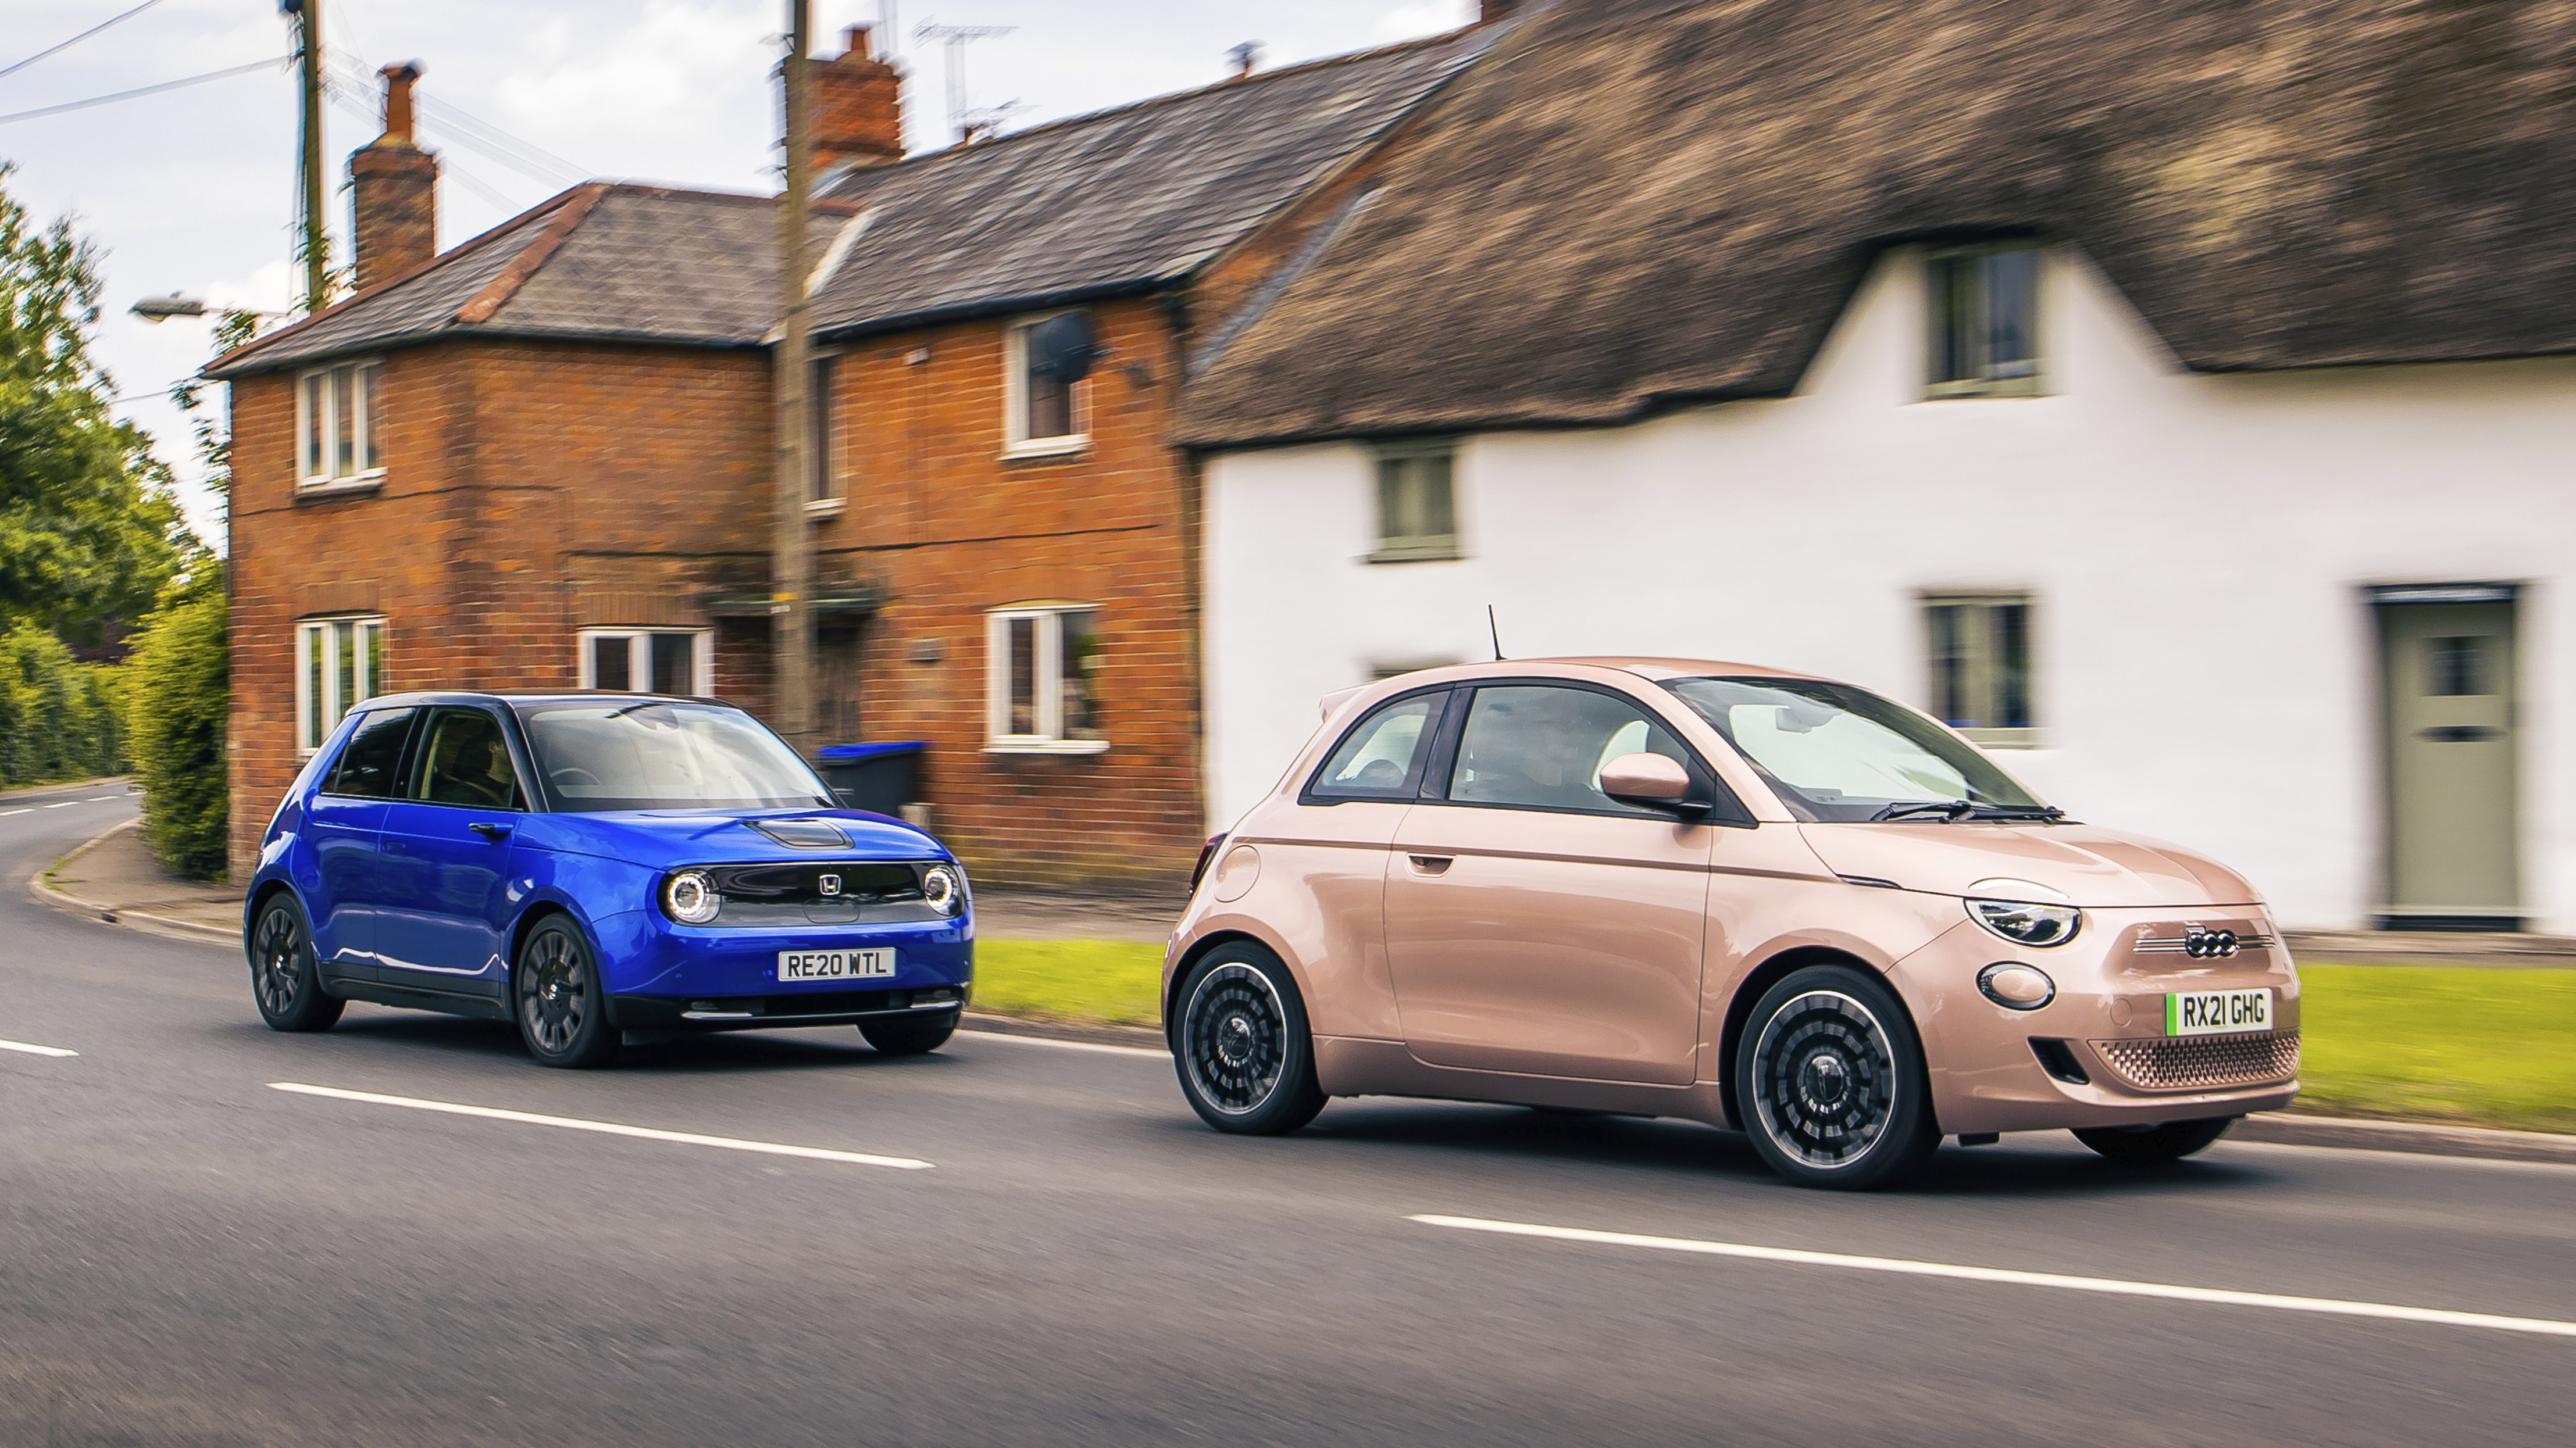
(1245, 1057)
(283, 977)
(562, 1014)
(910, 1035)
(2149, 1145)
(1829, 1082)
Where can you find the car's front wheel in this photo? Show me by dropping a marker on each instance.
(562, 1013)
(909, 1035)
(1241, 1044)
(2148, 1145)
(1829, 1081)
(284, 979)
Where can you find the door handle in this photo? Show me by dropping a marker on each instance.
(490, 831)
(1432, 864)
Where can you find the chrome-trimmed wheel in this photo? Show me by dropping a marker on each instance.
(1241, 1046)
(1234, 1037)
(1824, 1079)
(561, 1012)
(284, 980)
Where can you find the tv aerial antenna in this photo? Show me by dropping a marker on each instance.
(967, 121)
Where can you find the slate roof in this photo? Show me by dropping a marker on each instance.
(1117, 201)
(1628, 204)
(604, 261)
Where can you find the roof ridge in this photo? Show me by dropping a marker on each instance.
(567, 219)
(1419, 42)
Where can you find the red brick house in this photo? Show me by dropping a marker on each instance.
(544, 458)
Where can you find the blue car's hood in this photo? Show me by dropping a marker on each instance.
(660, 839)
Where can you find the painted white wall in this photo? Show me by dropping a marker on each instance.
(2196, 546)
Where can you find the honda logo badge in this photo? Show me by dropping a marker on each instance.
(831, 884)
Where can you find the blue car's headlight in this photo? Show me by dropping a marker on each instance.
(943, 888)
(691, 897)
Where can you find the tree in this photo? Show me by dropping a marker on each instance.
(176, 702)
(89, 531)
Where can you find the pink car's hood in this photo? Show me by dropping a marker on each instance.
(2083, 864)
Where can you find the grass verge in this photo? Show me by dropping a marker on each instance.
(2403, 1043)
(2440, 1043)
(1116, 981)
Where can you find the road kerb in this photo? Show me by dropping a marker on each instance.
(2283, 1128)
(48, 894)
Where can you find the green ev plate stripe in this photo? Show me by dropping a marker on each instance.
(2173, 1014)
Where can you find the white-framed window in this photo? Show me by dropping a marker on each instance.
(340, 424)
(649, 661)
(1041, 673)
(1983, 316)
(339, 664)
(1417, 505)
(1041, 413)
(1980, 657)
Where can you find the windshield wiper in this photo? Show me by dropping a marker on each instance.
(631, 708)
(1954, 810)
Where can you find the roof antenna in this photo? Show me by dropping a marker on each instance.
(1496, 630)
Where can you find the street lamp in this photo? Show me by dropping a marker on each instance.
(162, 309)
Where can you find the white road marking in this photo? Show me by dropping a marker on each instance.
(5, 813)
(608, 1128)
(35, 1050)
(94, 799)
(1071, 1045)
(62, 804)
(2332, 1305)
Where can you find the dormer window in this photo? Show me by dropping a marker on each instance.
(1984, 315)
(339, 425)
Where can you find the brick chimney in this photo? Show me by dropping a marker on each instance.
(1489, 11)
(858, 109)
(395, 190)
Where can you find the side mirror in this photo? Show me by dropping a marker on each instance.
(1651, 781)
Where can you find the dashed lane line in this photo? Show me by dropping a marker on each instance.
(2217, 1296)
(61, 804)
(35, 1050)
(1092, 1046)
(5, 813)
(605, 1128)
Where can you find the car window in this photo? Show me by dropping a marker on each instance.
(1381, 758)
(374, 752)
(464, 758)
(1541, 747)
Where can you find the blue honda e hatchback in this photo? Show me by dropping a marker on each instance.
(589, 865)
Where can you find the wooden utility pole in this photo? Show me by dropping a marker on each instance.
(791, 551)
(316, 247)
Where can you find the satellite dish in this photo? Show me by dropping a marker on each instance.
(1064, 347)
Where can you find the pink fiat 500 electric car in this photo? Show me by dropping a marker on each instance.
(1751, 898)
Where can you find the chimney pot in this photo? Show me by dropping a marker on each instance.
(398, 82)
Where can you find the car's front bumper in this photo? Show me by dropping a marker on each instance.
(771, 1012)
(664, 976)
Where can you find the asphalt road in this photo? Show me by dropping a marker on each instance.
(189, 1256)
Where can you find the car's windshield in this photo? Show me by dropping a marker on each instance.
(1833, 752)
(607, 754)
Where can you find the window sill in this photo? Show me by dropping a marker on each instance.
(819, 509)
(1048, 447)
(341, 487)
(1999, 387)
(2003, 738)
(1047, 746)
(1444, 550)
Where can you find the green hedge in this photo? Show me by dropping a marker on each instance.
(176, 699)
(58, 717)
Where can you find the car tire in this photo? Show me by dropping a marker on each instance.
(2148, 1145)
(910, 1036)
(556, 998)
(285, 981)
(1241, 1045)
(1829, 1082)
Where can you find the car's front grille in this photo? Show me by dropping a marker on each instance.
(2200, 1062)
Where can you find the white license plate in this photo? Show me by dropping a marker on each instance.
(2217, 1012)
(835, 964)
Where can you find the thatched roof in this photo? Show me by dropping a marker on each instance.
(1631, 203)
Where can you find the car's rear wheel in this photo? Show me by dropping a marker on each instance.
(284, 978)
(1830, 1084)
(2148, 1145)
(910, 1035)
(562, 1014)
(1245, 1056)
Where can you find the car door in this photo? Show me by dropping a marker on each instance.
(343, 826)
(445, 856)
(1533, 924)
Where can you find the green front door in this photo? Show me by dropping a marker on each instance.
(2448, 672)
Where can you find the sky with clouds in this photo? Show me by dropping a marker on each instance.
(193, 190)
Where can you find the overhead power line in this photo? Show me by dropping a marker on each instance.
(166, 85)
(77, 39)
